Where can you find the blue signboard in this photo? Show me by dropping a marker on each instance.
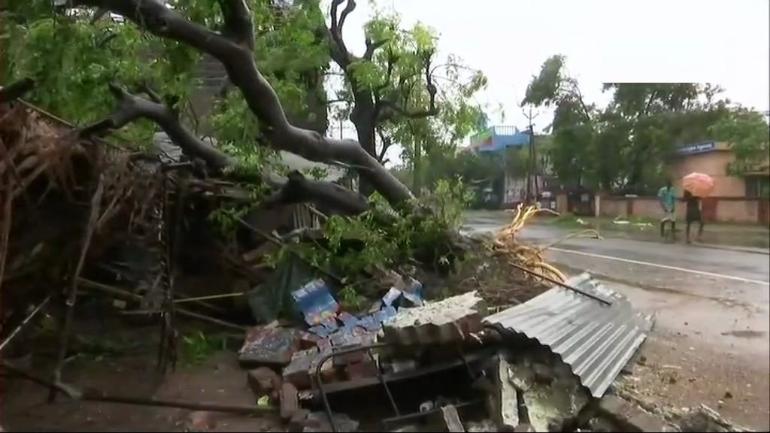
(693, 149)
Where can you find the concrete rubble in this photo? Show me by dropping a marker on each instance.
(439, 365)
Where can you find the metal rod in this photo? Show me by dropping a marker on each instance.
(24, 322)
(205, 298)
(415, 415)
(384, 384)
(319, 382)
(72, 296)
(100, 396)
(126, 294)
(90, 395)
(559, 283)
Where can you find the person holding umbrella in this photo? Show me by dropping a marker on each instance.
(696, 185)
(693, 214)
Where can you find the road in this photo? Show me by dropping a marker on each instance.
(712, 311)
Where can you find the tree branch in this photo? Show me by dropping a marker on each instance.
(299, 189)
(262, 100)
(339, 51)
(386, 144)
(238, 24)
(132, 107)
(349, 7)
(432, 109)
(371, 47)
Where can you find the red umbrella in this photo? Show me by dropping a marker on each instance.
(699, 184)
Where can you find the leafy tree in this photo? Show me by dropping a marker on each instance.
(397, 83)
(235, 32)
(747, 132)
(624, 146)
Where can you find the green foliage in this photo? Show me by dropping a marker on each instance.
(198, 347)
(381, 237)
(72, 60)
(350, 300)
(317, 173)
(747, 132)
(546, 87)
(226, 219)
(624, 146)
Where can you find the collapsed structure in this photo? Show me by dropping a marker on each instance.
(87, 216)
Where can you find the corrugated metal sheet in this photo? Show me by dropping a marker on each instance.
(596, 340)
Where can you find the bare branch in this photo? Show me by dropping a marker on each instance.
(387, 142)
(296, 189)
(339, 50)
(261, 98)
(349, 7)
(299, 189)
(371, 47)
(131, 108)
(432, 109)
(238, 24)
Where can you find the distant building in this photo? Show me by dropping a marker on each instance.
(713, 158)
(495, 141)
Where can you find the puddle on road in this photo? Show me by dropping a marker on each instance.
(745, 334)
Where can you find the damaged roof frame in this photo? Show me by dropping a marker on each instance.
(596, 340)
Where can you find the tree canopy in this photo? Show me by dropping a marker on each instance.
(624, 146)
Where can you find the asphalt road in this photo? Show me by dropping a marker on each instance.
(692, 261)
(712, 309)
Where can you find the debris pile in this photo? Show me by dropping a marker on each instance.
(505, 374)
(406, 363)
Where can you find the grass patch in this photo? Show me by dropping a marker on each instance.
(198, 347)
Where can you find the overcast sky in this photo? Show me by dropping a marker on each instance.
(724, 42)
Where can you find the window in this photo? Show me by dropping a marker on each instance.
(757, 186)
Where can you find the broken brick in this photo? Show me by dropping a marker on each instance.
(302, 368)
(360, 370)
(263, 381)
(268, 346)
(289, 401)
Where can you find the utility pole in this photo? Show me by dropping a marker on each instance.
(531, 157)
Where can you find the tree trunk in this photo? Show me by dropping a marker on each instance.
(362, 118)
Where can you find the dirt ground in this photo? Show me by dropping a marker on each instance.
(676, 372)
(218, 379)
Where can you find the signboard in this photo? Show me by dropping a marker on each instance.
(696, 148)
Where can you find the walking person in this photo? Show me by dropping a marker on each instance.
(693, 206)
(667, 198)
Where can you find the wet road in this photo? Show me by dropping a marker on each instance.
(712, 307)
(694, 261)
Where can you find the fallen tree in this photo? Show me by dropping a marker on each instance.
(242, 70)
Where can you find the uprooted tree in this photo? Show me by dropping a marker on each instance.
(147, 51)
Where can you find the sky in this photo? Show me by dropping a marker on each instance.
(724, 42)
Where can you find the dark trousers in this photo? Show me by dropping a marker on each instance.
(700, 226)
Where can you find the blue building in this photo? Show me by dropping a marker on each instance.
(498, 138)
(510, 189)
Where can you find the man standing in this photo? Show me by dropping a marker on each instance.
(693, 214)
(667, 199)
